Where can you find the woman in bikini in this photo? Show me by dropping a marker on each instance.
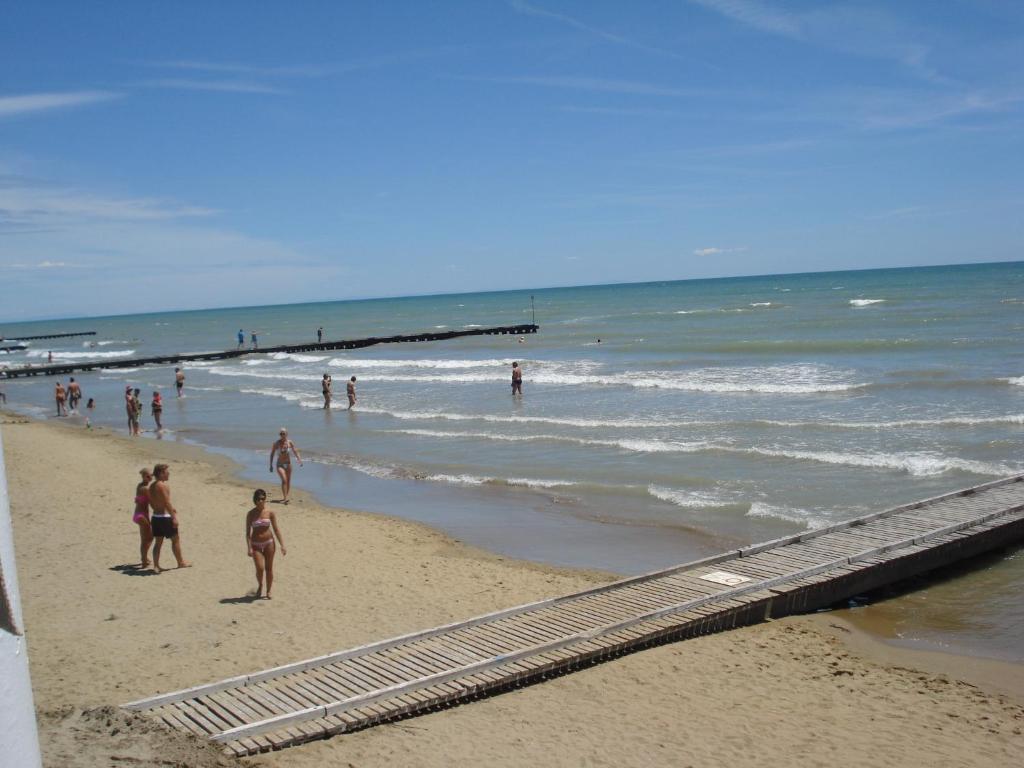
(284, 447)
(141, 516)
(260, 532)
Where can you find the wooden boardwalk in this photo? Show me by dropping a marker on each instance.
(63, 369)
(353, 689)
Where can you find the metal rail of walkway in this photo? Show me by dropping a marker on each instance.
(62, 369)
(353, 689)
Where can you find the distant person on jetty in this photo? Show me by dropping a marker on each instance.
(74, 395)
(179, 380)
(260, 531)
(319, 334)
(254, 340)
(517, 379)
(157, 407)
(141, 517)
(350, 388)
(241, 339)
(129, 408)
(284, 448)
(325, 386)
(60, 395)
(137, 407)
(165, 518)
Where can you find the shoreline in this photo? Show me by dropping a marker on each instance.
(98, 637)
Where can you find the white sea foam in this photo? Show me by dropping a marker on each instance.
(106, 343)
(917, 464)
(761, 304)
(344, 362)
(865, 302)
(61, 355)
(298, 358)
(284, 394)
(518, 482)
(688, 498)
(789, 514)
(567, 422)
(1017, 381)
(635, 445)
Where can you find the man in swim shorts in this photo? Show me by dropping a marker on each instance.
(351, 390)
(179, 380)
(517, 379)
(165, 517)
(74, 395)
(325, 386)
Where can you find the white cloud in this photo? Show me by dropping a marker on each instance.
(603, 85)
(533, 10)
(756, 15)
(222, 86)
(40, 102)
(714, 251)
(44, 265)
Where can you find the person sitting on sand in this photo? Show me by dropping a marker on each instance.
(141, 516)
(157, 407)
(165, 518)
(60, 396)
(284, 447)
(260, 531)
(351, 389)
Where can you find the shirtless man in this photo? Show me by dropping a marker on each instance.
(165, 518)
(74, 395)
(517, 379)
(179, 380)
(325, 385)
(351, 390)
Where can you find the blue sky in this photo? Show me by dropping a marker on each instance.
(184, 155)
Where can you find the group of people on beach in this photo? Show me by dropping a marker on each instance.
(157, 518)
(350, 389)
(69, 398)
(133, 407)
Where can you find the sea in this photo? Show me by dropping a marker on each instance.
(659, 422)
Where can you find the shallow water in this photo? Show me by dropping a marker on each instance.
(710, 414)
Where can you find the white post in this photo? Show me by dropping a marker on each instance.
(19, 741)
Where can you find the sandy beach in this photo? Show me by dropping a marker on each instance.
(807, 690)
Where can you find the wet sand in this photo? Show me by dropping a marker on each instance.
(101, 632)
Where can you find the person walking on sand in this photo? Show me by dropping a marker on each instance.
(325, 386)
(284, 447)
(141, 517)
(157, 408)
(517, 379)
(179, 380)
(260, 531)
(351, 390)
(60, 395)
(74, 395)
(241, 339)
(165, 518)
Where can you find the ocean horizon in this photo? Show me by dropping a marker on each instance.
(660, 421)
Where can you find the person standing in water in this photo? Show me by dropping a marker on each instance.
(165, 518)
(325, 386)
(179, 380)
(260, 532)
(157, 407)
(517, 379)
(351, 390)
(74, 395)
(60, 395)
(284, 448)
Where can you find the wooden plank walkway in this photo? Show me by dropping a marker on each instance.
(63, 369)
(48, 336)
(364, 686)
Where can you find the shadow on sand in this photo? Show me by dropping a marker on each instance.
(240, 600)
(134, 569)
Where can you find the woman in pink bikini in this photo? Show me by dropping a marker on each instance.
(260, 532)
(141, 515)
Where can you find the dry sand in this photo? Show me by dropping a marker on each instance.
(805, 691)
